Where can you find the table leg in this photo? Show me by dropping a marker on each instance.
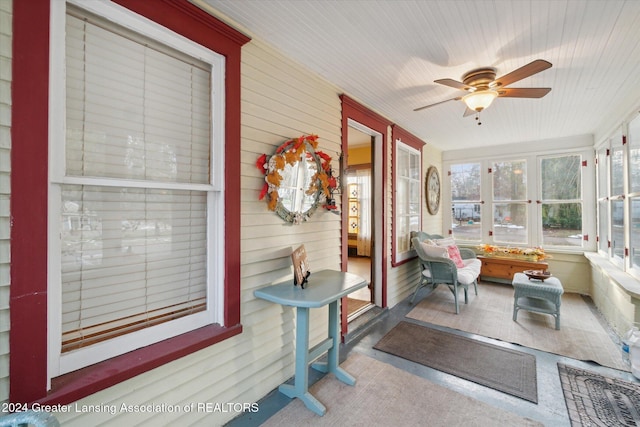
(333, 365)
(300, 389)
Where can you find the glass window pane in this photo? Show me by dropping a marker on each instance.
(510, 223)
(403, 243)
(562, 224)
(466, 221)
(465, 182)
(414, 171)
(634, 154)
(402, 233)
(617, 181)
(509, 180)
(635, 232)
(617, 228)
(414, 224)
(560, 177)
(603, 174)
(603, 226)
(146, 119)
(130, 255)
(402, 196)
(403, 163)
(414, 197)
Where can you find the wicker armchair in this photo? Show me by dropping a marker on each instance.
(441, 270)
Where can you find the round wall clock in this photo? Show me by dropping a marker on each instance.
(432, 190)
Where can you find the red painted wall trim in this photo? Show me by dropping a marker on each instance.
(78, 384)
(29, 136)
(190, 21)
(29, 128)
(413, 141)
(351, 109)
(408, 138)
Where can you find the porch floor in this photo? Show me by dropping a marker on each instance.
(550, 411)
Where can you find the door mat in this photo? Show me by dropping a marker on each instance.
(509, 371)
(593, 399)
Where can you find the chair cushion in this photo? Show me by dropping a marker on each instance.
(445, 242)
(470, 271)
(433, 250)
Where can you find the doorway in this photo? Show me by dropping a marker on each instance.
(362, 203)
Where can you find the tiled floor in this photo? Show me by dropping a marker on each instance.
(550, 410)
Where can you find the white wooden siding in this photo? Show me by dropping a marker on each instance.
(432, 224)
(6, 8)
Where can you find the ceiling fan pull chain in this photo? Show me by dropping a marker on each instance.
(478, 118)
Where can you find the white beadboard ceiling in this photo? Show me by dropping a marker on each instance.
(387, 53)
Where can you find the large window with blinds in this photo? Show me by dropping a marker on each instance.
(136, 190)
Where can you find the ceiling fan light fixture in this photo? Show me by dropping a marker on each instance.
(479, 100)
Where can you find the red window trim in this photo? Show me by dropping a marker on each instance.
(398, 133)
(29, 130)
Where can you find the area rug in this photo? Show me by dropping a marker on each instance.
(596, 400)
(388, 396)
(581, 335)
(502, 369)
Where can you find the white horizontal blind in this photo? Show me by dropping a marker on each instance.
(133, 111)
(132, 257)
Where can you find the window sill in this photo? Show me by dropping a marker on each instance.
(406, 257)
(626, 282)
(78, 384)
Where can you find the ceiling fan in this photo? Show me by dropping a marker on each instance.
(483, 87)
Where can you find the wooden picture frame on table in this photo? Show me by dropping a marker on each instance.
(300, 266)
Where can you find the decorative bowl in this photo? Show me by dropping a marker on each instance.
(537, 274)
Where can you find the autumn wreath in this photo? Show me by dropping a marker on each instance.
(290, 152)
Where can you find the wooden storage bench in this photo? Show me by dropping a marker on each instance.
(503, 269)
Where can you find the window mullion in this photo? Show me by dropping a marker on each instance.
(114, 182)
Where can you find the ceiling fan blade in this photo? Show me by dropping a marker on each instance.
(536, 92)
(438, 103)
(454, 83)
(523, 72)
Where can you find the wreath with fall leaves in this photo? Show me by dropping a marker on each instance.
(290, 152)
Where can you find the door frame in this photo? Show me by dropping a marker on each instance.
(359, 117)
(376, 208)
